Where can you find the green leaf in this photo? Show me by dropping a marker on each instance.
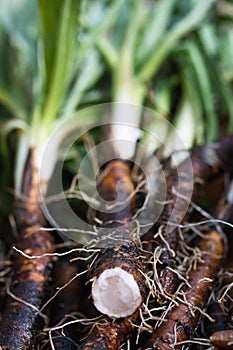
(60, 29)
(205, 88)
(97, 31)
(18, 31)
(11, 104)
(155, 25)
(50, 14)
(90, 70)
(220, 84)
(170, 40)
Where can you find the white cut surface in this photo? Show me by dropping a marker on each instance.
(116, 293)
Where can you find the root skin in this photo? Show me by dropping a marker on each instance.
(61, 343)
(182, 321)
(223, 339)
(116, 184)
(110, 335)
(30, 282)
(209, 163)
(31, 278)
(71, 300)
(168, 278)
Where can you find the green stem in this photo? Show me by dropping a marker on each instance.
(126, 88)
(109, 52)
(206, 94)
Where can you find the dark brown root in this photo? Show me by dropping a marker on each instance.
(28, 289)
(121, 263)
(115, 184)
(70, 302)
(61, 343)
(110, 335)
(30, 281)
(176, 182)
(223, 339)
(182, 321)
(210, 163)
(170, 236)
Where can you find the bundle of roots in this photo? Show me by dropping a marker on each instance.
(168, 287)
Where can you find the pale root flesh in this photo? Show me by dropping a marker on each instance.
(116, 293)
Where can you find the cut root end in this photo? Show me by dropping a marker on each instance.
(116, 293)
